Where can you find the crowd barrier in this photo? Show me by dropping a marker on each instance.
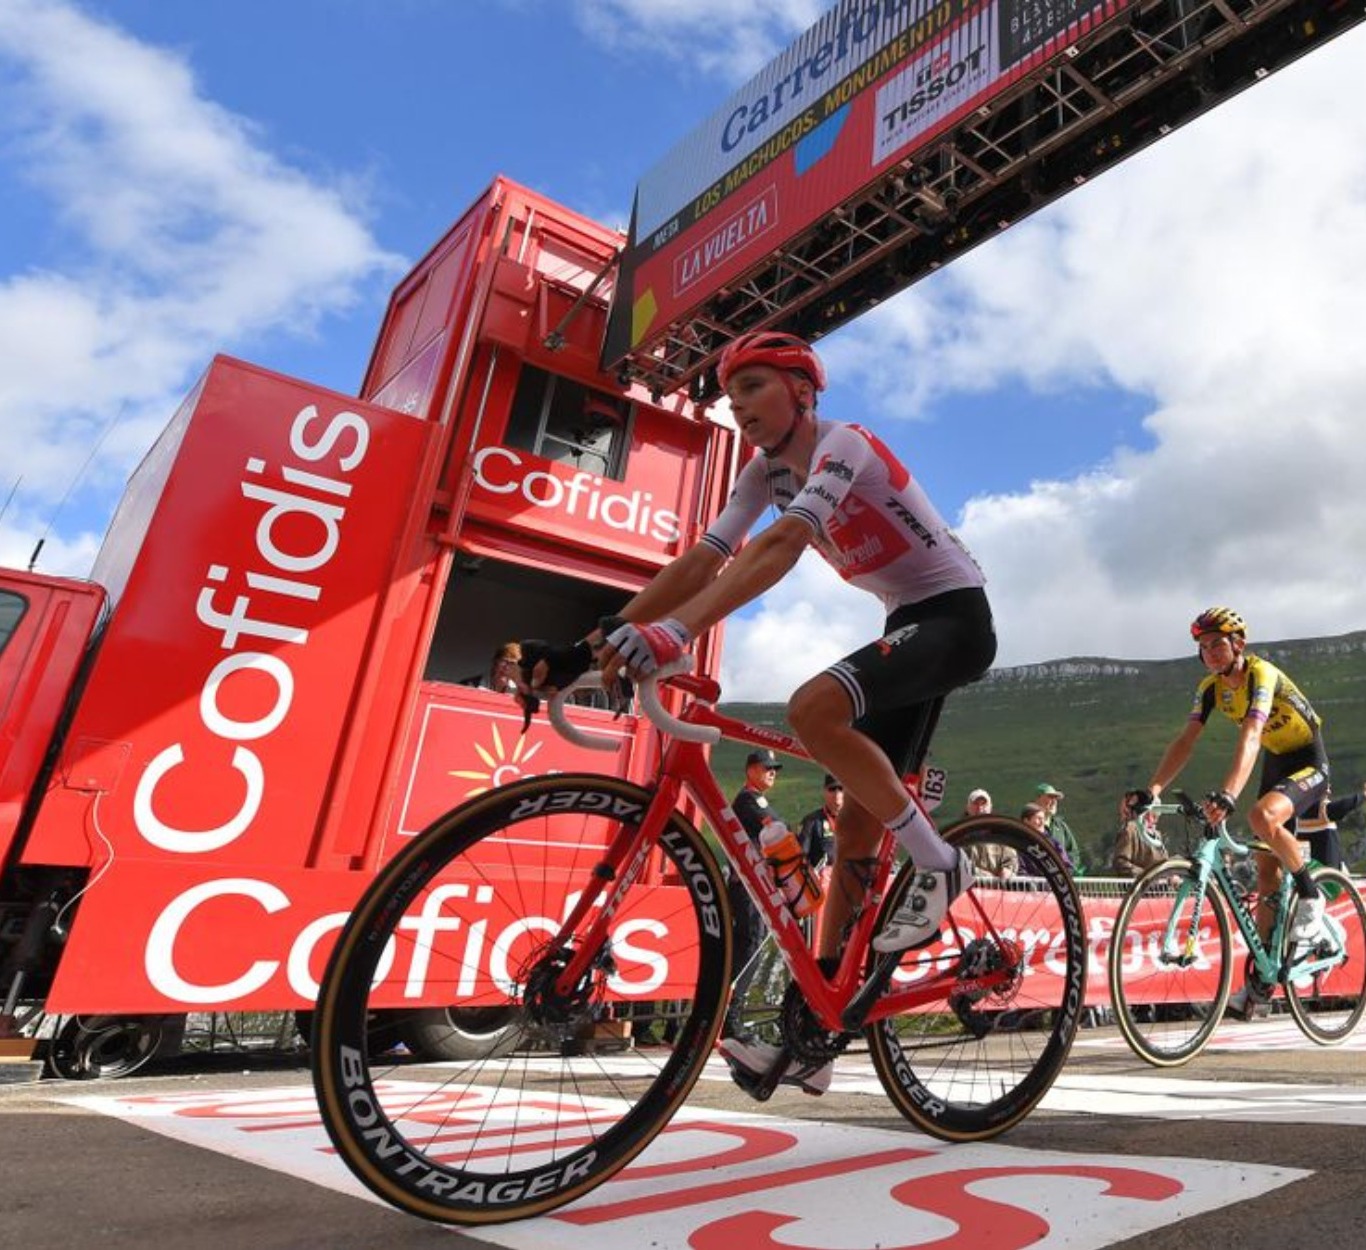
(1101, 899)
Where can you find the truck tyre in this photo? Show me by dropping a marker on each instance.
(88, 1048)
(460, 1033)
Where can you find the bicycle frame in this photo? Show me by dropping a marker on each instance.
(684, 770)
(1209, 867)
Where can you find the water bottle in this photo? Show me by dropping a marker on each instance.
(790, 868)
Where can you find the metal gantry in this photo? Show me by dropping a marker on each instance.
(1128, 84)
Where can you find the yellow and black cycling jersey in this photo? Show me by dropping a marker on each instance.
(1289, 722)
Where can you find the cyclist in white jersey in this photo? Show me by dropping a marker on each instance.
(868, 718)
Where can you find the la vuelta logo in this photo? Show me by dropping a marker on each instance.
(583, 496)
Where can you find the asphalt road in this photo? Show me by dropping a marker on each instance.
(1258, 1144)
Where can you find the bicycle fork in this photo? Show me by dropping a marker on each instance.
(1191, 939)
(611, 879)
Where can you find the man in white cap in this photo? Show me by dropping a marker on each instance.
(989, 859)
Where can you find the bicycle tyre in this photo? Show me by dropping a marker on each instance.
(504, 1138)
(1165, 1010)
(1328, 1004)
(971, 1070)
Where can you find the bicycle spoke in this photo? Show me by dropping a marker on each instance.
(1325, 983)
(465, 1126)
(972, 1065)
(1170, 965)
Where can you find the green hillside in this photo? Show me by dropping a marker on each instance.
(1095, 727)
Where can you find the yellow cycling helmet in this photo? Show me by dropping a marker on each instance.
(1218, 621)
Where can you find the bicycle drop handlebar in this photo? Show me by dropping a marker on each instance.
(650, 703)
(1188, 807)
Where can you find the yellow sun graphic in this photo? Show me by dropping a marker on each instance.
(501, 767)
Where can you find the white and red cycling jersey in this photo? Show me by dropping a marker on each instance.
(869, 517)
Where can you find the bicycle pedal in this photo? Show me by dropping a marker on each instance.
(759, 1086)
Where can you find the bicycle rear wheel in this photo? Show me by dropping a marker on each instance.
(1325, 986)
(974, 1065)
(468, 914)
(1170, 965)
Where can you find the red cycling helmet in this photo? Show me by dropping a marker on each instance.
(1218, 621)
(774, 348)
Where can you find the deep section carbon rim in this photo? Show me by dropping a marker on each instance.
(1325, 982)
(1170, 964)
(971, 1066)
(467, 915)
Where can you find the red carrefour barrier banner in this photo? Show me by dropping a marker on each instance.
(1147, 979)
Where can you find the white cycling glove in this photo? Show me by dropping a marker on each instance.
(647, 648)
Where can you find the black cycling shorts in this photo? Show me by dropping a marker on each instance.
(1302, 776)
(897, 684)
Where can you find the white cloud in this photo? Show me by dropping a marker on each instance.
(803, 625)
(718, 37)
(1219, 274)
(179, 235)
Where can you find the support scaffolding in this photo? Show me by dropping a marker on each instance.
(1132, 82)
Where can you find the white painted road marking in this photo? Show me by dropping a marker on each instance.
(1235, 1037)
(714, 1180)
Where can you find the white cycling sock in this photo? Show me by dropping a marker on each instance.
(928, 851)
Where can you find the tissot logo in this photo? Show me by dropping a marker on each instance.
(584, 496)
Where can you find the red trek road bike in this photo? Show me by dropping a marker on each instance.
(554, 900)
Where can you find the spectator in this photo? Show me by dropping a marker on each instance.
(979, 803)
(1319, 826)
(817, 838)
(817, 832)
(1138, 842)
(989, 859)
(502, 670)
(752, 809)
(1034, 815)
(1056, 827)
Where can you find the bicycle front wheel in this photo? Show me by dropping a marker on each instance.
(976, 1063)
(1170, 964)
(1325, 983)
(468, 916)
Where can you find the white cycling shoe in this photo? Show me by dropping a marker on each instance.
(916, 922)
(1245, 1004)
(1309, 927)
(751, 1061)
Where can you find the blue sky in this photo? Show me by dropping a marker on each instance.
(1142, 400)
